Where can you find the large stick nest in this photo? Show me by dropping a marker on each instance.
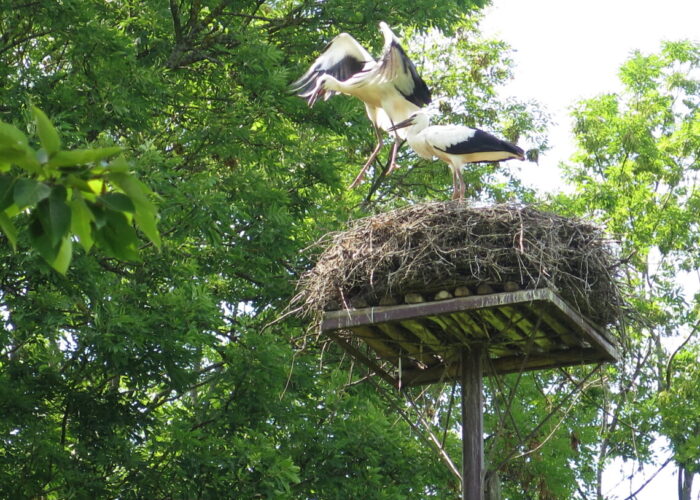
(436, 246)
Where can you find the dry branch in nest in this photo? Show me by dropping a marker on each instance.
(436, 246)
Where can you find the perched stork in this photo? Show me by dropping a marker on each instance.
(390, 88)
(456, 145)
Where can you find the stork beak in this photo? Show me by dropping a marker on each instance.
(403, 124)
(319, 92)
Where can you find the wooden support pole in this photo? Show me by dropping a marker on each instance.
(472, 424)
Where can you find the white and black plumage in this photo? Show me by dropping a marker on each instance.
(390, 87)
(456, 145)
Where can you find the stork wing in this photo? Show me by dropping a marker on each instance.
(342, 58)
(395, 67)
(460, 140)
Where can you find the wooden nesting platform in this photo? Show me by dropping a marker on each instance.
(414, 344)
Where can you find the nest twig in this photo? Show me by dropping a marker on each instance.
(430, 247)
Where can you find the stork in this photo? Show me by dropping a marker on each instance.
(391, 87)
(456, 145)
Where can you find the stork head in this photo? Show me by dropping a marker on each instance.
(417, 121)
(320, 90)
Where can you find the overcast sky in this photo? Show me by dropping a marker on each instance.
(569, 50)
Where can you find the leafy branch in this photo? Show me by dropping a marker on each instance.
(87, 195)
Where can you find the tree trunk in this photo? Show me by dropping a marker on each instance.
(685, 483)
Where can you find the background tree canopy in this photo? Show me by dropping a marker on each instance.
(148, 374)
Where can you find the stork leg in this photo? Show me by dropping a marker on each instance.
(398, 142)
(462, 185)
(455, 183)
(372, 157)
(458, 185)
(394, 151)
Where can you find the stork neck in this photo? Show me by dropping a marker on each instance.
(416, 139)
(418, 126)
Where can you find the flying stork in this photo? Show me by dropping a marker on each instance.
(456, 145)
(391, 87)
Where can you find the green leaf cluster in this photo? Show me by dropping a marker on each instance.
(679, 408)
(86, 194)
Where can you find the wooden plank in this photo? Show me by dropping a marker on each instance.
(596, 337)
(362, 358)
(533, 334)
(421, 331)
(372, 339)
(520, 319)
(555, 359)
(500, 350)
(504, 365)
(532, 321)
(441, 372)
(472, 424)
(426, 334)
(470, 325)
(405, 339)
(451, 328)
(544, 311)
(485, 331)
(334, 320)
(508, 330)
(504, 334)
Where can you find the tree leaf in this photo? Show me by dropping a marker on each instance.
(81, 222)
(146, 222)
(77, 182)
(56, 214)
(48, 135)
(117, 237)
(145, 214)
(41, 241)
(79, 157)
(119, 165)
(9, 229)
(96, 185)
(7, 183)
(118, 201)
(12, 142)
(28, 192)
(137, 190)
(98, 214)
(65, 253)
(14, 148)
(12, 210)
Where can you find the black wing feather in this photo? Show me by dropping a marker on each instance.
(482, 142)
(351, 58)
(345, 68)
(342, 70)
(420, 96)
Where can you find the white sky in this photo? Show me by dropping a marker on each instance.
(570, 50)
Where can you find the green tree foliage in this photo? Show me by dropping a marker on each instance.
(70, 193)
(637, 172)
(153, 378)
(679, 407)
